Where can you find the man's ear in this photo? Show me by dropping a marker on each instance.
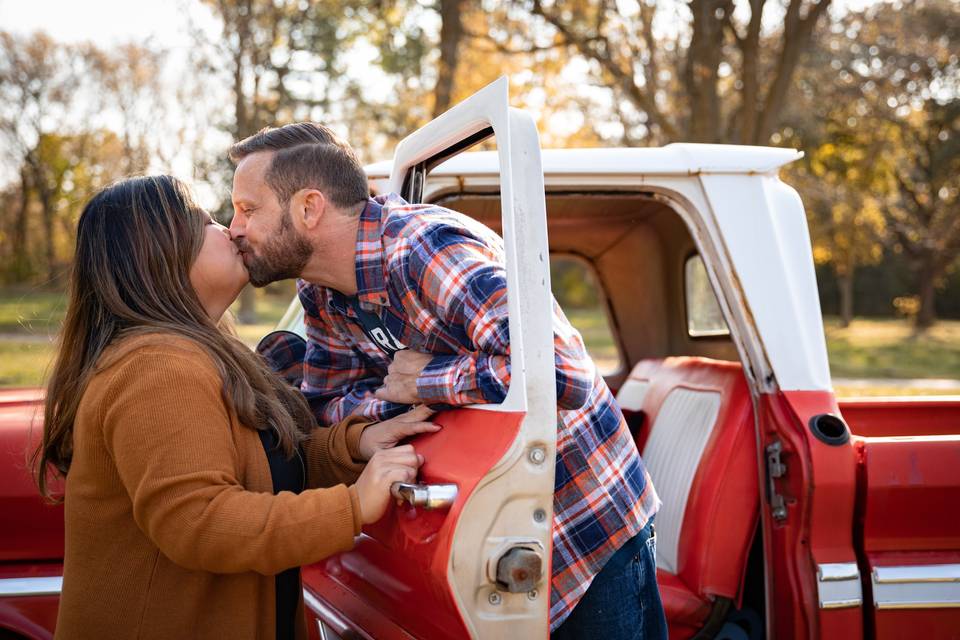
(310, 205)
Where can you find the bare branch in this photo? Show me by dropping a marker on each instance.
(623, 78)
(797, 32)
(502, 48)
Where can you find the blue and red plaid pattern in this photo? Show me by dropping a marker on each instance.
(436, 280)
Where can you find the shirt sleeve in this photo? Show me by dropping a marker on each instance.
(337, 380)
(460, 280)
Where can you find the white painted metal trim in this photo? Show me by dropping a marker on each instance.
(515, 498)
(20, 587)
(838, 585)
(678, 159)
(521, 187)
(916, 587)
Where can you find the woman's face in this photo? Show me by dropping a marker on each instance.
(218, 273)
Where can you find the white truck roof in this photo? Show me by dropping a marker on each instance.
(750, 225)
(674, 159)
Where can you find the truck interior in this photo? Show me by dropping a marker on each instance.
(679, 380)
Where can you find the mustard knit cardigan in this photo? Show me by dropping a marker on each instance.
(172, 527)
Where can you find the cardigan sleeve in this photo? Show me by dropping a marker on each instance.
(333, 454)
(169, 433)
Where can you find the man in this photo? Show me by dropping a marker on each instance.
(407, 304)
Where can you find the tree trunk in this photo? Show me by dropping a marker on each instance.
(21, 252)
(797, 35)
(451, 33)
(846, 298)
(702, 69)
(48, 215)
(926, 290)
(750, 75)
(247, 313)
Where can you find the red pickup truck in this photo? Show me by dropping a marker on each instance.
(787, 514)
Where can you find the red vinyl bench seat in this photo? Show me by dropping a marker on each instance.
(697, 440)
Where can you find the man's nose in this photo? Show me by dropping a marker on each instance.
(236, 225)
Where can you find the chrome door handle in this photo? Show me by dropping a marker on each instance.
(428, 496)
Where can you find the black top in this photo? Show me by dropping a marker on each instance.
(287, 475)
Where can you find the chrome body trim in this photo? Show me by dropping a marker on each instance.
(934, 586)
(917, 574)
(838, 585)
(32, 586)
(330, 623)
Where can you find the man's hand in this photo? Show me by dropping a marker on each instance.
(400, 385)
(386, 434)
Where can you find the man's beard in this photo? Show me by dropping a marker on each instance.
(282, 257)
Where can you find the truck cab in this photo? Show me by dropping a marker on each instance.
(786, 513)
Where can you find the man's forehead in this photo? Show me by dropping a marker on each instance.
(249, 176)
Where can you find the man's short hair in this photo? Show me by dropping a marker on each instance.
(308, 156)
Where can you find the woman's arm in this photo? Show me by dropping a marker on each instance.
(333, 454)
(167, 429)
(338, 454)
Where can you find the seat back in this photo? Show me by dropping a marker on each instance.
(697, 441)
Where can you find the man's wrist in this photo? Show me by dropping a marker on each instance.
(441, 380)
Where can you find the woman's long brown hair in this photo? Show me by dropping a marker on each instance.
(136, 241)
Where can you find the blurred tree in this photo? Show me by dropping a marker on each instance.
(843, 180)
(36, 85)
(898, 72)
(701, 81)
(924, 215)
(451, 37)
(282, 58)
(128, 78)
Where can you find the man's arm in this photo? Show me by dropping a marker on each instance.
(461, 280)
(337, 381)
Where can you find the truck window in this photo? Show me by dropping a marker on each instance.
(704, 317)
(577, 289)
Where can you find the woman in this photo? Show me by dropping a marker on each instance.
(185, 458)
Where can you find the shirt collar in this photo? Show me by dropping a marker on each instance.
(371, 270)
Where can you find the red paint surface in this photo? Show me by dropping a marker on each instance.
(393, 584)
(904, 416)
(820, 492)
(909, 517)
(912, 494)
(941, 624)
(30, 529)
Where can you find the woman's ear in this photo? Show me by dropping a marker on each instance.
(310, 204)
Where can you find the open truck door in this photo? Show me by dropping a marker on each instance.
(467, 554)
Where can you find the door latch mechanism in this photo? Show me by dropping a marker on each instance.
(775, 469)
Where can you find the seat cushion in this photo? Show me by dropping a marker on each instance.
(686, 612)
(683, 426)
(699, 446)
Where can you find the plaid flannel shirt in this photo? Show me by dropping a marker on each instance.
(436, 280)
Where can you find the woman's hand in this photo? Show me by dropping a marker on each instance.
(386, 434)
(386, 466)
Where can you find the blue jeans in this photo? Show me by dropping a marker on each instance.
(623, 600)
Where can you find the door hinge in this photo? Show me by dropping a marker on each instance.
(775, 469)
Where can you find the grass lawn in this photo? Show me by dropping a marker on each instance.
(29, 321)
(30, 311)
(873, 349)
(24, 363)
